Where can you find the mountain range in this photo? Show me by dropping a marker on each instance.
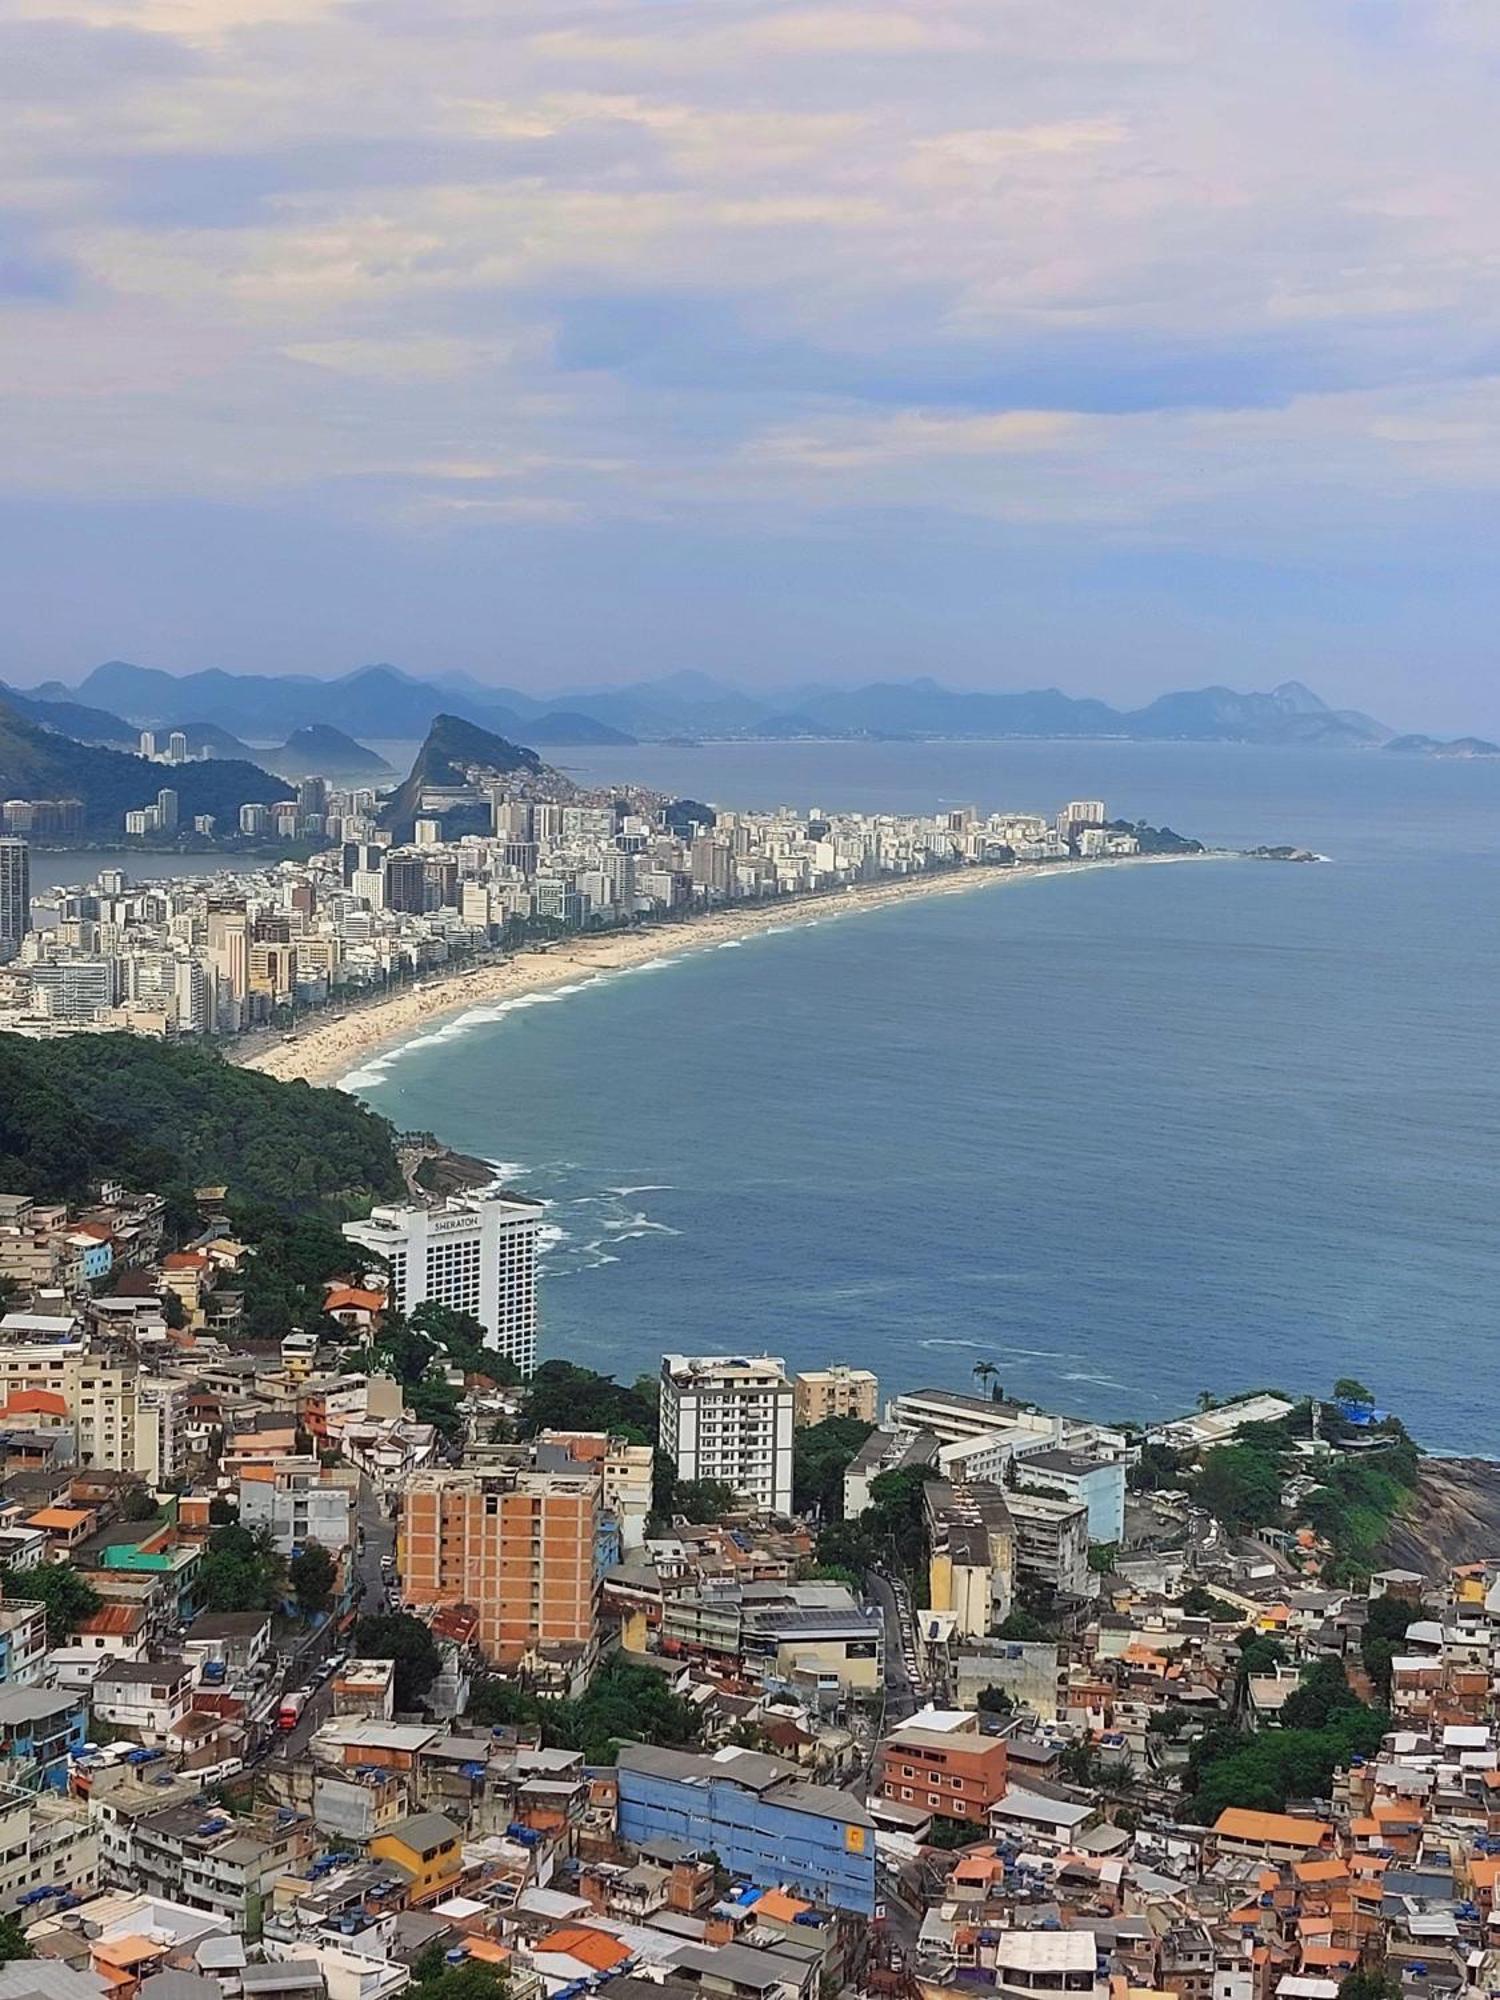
(114, 700)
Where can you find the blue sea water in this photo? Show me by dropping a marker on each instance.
(1129, 1135)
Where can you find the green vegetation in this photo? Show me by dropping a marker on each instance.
(13, 1943)
(69, 1597)
(995, 1701)
(950, 1834)
(703, 1500)
(1359, 1493)
(1160, 1469)
(312, 1574)
(38, 763)
(821, 1455)
(1200, 1603)
(283, 1284)
(172, 1116)
(436, 1979)
(1240, 1485)
(241, 1571)
(1323, 1725)
(1023, 1627)
(563, 1397)
(889, 1534)
(1369, 1982)
(1359, 1498)
(624, 1704)
(1386, 1624)
(395, 1635)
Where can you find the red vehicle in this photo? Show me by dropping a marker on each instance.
(292, 1706)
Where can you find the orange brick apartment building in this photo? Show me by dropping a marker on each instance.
(519, 1546)
(939, 1762)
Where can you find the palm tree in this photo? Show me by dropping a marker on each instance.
(1206, 1399)
(985, 1373)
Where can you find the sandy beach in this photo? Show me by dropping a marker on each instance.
(329, 1048)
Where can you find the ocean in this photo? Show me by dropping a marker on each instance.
(1129, 1136)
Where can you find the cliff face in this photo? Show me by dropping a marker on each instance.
(456, 753)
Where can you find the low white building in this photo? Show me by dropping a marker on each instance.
(147, 1697)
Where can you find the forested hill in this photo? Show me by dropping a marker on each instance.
(173, 1117)
(36, 763)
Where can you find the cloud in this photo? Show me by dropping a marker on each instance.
(1214, 277)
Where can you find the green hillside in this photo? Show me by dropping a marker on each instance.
(172, 1117)
(37, 763)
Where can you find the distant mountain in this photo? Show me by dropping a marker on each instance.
(321, 751)
(1435, 746)
(37, 763)
(1290, 713)
(264, 707)
(456, 756)
(205, 739)
(71, 718)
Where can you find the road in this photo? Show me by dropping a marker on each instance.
(901, 1698)
(375, 1537)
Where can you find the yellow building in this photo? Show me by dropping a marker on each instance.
(429, 1847)
(834, 1392)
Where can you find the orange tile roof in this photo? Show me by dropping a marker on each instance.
(34, 1403)
(1320, 1871)
(63, 1519)
(184, 1260)
(487, 1951)
(349, 1298)
(132, 1949)
(595, 1948)
(1484, 1868)
(776, 1903)
(1282, 1828)
(114, 1621)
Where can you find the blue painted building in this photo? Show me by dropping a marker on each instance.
(758, 1815)
(40, 1728)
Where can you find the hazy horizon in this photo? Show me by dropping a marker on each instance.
(574, 342)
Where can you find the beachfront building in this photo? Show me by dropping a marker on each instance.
(729, 1418)
(836, 1391)
(475, 1253)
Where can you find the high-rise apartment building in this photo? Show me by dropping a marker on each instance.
(838, 1391)
(15, 895)
(518, 1545)
(177, 747)
(476, 1253)
(729, 1418)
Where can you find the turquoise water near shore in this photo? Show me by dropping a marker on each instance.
(1128, 1135)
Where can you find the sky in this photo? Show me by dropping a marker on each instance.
(1017, 342)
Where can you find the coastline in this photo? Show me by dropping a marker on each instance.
(333, 1048)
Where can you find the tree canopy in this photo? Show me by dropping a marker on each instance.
(312, 1573)
(624, 1704)
(172, 1115)
(241, 1571)
(396, 1635)
(68, 1595)
(821, 1455)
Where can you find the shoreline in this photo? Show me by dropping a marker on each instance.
(332, 1049)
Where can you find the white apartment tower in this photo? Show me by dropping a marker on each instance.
(476, 1253)
(729, 1417)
